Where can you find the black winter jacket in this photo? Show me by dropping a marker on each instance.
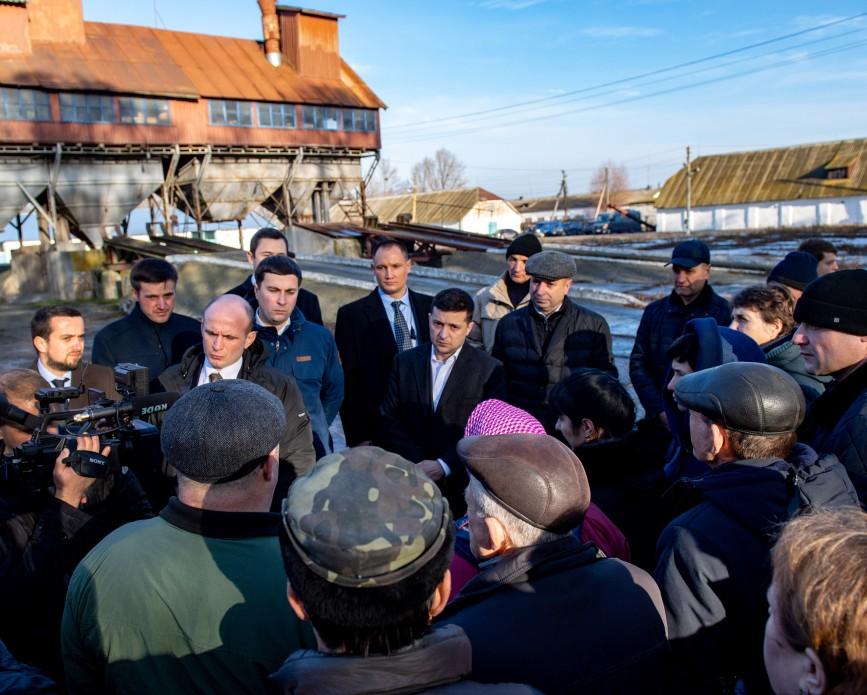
(836, 424)
(714, 562)
(41, 541)
(560, 618)
(539, 352)
(296, 445)
(135, 338)
(661, 323)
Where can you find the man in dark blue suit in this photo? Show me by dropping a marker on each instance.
(370, 332)
(433, 389)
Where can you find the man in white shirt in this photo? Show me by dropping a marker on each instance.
(58, 338)
(433, 389)
(230, 349)
(370, 332)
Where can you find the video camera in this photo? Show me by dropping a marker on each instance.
(134, 443)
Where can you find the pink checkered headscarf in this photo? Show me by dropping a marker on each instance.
(496, 417)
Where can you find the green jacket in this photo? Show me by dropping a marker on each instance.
(191, 601)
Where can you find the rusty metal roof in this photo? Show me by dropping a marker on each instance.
(438, 208)
(143, 60)
(785, 173)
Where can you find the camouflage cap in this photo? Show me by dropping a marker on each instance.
(365, 518)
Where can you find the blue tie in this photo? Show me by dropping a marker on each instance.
(401, 330)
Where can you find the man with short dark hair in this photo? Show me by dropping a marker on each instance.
(663, 321)
(371, 331)
(547, 609)
(230, 349)
(713, 559)
(303, 350)
(265, 243)
(57, 333)
(192, 601)
(542, 343)
(833, 341)
(433, 389)
(367, 542)
(825, 254)
(152, 335)
(510, 292)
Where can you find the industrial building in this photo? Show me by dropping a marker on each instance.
(472, 210)
(96, 119)
(805, 185)
(584, 205)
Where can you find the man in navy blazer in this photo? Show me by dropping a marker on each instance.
(433, 389)
(367, 333)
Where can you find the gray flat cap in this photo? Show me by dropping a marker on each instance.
(221, 431)
(551, 265)
(535, 477)
(745, 397)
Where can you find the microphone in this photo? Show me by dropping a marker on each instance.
(17, 416)
(142, 405)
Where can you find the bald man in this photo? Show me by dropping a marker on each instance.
(230, 349)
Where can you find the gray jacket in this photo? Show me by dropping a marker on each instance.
(491, 304)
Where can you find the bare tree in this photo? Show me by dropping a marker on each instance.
(386, 180)
(443, 172)
(618, 182)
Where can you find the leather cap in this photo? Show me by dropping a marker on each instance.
(745, 397)
(534, 476)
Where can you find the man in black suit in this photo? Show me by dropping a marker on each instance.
(432, 391)
(370, 332)
(272, 242)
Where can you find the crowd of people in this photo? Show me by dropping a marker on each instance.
(500, 519)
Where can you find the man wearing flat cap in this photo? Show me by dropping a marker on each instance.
(663, 322)
(509, 292)
(713, 563)
(833, 342)
(191, 601)
(547, 609)
(367, 540)
(542, 343)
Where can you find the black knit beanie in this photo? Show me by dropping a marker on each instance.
(524, 245)
(797, 269)
(837, 301)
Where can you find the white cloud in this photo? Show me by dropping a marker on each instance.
(620, 32)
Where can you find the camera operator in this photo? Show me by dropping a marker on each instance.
(45, 532)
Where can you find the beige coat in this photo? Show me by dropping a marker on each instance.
(492, 304)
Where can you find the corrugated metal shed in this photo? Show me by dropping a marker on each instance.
(786, 173)
(530, 205)
(439, 208)
(142, 60)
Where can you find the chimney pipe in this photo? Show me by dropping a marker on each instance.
(271, 31)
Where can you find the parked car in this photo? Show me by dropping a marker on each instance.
(617, 223)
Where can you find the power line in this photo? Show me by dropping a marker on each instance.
(640, 97)
(668, 78)
(651, 73)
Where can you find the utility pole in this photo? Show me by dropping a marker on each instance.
(607, 191)
(689, 173)
(561, 195)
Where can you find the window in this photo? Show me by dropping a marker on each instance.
(276, 115)
(24, 105)
(838, 173)
(87, 108)
(232, 113)
(144, 111)
(359, 119)
(319, 117)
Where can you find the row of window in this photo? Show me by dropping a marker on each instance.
(34, 105)
(243, 114)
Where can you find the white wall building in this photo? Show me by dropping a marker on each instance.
(806, 185)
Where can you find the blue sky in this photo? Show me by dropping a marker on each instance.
(430, 61)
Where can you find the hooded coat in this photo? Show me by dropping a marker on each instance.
(714, 566)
